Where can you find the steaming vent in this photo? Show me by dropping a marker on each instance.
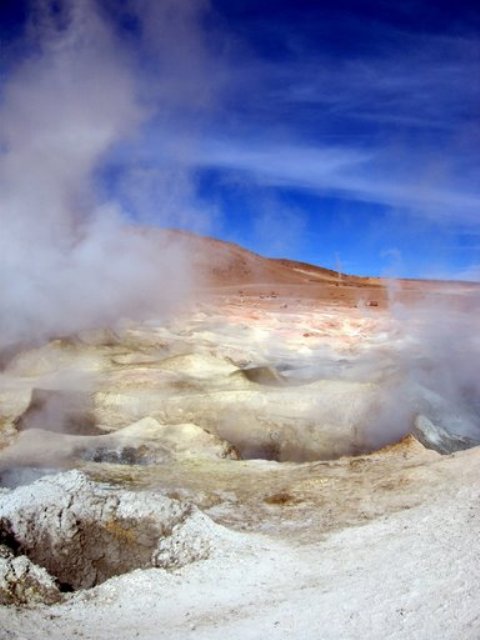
(68, 412)
(265, 412)
(83, 533)
(193, 399)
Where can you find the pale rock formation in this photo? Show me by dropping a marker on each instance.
(145, 442)
(22, 582)
(83, 533)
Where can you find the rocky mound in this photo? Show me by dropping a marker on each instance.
(22, 582)
(83, 533)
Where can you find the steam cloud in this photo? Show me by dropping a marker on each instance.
(68, 259)
(428, 371)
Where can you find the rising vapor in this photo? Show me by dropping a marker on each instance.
(68, 259)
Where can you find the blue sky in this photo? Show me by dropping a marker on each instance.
(341, 133)
(359, 123)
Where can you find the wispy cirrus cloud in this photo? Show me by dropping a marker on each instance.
(388, 119)
(391, 119)
(421, 81)
(355, 174)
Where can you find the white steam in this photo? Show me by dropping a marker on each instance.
(428, 368)
(68, 260)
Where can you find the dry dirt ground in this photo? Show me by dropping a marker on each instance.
(250, 467)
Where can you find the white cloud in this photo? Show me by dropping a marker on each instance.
(354, 174)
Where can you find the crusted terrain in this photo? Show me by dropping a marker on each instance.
(83, 533)
(265, 454)
(24, 583)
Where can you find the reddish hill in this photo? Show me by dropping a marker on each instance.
(225, 267)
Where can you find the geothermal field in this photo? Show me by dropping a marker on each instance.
(287, 452)
(202, 435)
